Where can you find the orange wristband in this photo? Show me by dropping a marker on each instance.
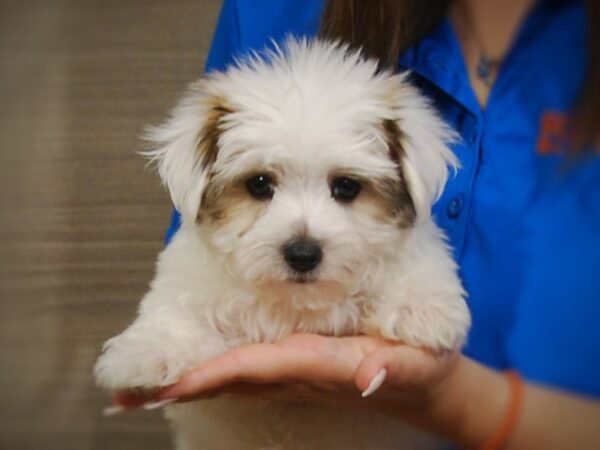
(499, 438)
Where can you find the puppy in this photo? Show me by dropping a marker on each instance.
(305, 179)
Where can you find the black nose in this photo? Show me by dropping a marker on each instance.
(303, 254)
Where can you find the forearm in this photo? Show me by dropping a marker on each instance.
(555, 420)
(471, 403)
(451, 397)
(468, 405)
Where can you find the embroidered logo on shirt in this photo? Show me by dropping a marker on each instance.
(557, 135)
(554, 133)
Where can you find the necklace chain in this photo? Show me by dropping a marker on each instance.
(487, 66)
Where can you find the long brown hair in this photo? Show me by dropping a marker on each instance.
(588, 114)
(385, 28)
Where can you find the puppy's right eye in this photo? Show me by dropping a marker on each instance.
(345, 189)
(261, 187)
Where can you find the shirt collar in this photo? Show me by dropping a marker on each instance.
(439, 59)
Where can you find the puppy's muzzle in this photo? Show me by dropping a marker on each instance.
(303, 254)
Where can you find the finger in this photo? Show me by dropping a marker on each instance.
(123, 401)
(260, 363)
(405, 366)
(131, 399)
(151, 406)
(238, 389)
(308, 359)
(113, 410)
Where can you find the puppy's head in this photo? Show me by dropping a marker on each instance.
(305, 165)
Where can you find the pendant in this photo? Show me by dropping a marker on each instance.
(485, 69)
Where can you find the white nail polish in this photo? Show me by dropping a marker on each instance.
(375, 383)
(156, 405)
(114, 410)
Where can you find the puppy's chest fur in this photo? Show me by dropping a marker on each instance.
(256, 321)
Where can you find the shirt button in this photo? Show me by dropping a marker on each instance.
(473, 136)
(455, 207)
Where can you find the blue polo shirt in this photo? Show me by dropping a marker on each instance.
(522, 219)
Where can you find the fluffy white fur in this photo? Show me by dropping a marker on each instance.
(304, 112)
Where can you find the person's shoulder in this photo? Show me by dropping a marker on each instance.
(245, 26)
(262, 21)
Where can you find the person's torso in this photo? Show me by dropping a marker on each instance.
(506, 153)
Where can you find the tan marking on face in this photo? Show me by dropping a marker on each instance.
(369, 202)
(378, 198)
(208, 144)
(230, 204)
(396, 191)
(208, 140)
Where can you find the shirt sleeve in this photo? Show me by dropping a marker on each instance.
(224, 47)
(226, 42)
(556, 336)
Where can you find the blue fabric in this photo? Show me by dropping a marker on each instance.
(523, 225)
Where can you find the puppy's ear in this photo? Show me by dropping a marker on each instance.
(185, 147)
(420, 139)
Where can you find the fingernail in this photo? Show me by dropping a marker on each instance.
(375, 383)
(114, 410)
(156, 405)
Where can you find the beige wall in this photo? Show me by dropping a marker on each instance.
(82, 219)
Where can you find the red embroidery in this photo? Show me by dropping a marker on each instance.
(554, 133)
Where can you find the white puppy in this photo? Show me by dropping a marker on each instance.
(305, 180)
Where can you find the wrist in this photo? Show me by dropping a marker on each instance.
(468, 404)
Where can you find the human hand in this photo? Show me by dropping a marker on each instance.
(317, 369)
(446, 394)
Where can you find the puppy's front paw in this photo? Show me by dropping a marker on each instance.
(130, 361)
(437, 327)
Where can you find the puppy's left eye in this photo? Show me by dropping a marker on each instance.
(261, 187)
(345, 189)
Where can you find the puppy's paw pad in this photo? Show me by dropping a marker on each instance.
(129, 362)
(425, 326)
